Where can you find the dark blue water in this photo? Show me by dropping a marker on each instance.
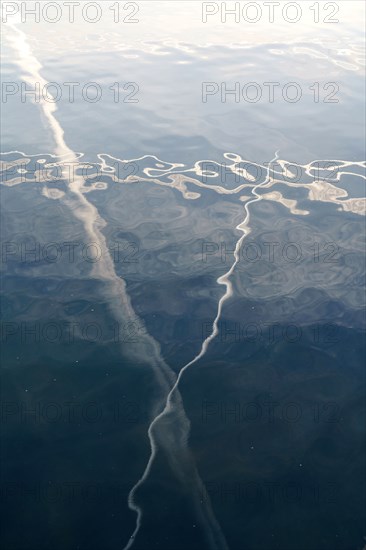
(222, 237)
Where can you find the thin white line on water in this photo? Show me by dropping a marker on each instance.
(223, 280)
(86, 212)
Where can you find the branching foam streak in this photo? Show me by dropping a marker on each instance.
(169, 408)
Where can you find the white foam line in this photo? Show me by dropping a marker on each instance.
(105, 270)
(223, 280)
(88, 214)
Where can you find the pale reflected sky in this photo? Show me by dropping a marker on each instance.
(169, 53)
(181, 21)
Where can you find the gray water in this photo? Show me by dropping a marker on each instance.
(183, 279)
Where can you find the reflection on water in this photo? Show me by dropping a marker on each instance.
(231, 177)
(184, 325)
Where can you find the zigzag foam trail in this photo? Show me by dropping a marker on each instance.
(171, 405)
(148, 350)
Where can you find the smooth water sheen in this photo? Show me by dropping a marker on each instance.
(199, 383)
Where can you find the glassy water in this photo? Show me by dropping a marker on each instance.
(183, 264)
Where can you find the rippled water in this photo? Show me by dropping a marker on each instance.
(183, 306)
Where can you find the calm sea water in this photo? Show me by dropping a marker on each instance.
(184, 195)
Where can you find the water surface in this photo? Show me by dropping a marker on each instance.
(125, 226)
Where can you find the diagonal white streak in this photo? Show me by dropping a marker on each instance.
(147, 349)
(169, 405)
